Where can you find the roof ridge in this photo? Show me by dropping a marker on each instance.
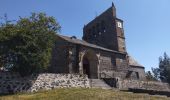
(82, 42)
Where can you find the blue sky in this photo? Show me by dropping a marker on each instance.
(146, 22)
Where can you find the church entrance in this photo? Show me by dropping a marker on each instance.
(86, 66)
(90, 65)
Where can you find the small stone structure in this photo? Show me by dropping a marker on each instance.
(13, 83)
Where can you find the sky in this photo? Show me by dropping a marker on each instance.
(146, 22)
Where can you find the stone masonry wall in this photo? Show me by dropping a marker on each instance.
(59, 61)
(150, 85)
(13, 83)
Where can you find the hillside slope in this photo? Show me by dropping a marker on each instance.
(82, 94)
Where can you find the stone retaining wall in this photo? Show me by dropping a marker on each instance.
(145, 85)
(13, 83)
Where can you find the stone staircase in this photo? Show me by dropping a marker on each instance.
(98, 83)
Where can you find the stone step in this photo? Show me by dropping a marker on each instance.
(98, 83)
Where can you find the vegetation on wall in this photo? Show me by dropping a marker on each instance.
(26, 44)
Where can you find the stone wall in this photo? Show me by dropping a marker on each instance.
(13, 83)
(59, 60)
(102, 30)
(140, 71)
(107, 62)
(145, 85)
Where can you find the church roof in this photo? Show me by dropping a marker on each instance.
(84, 43)
(133, 62)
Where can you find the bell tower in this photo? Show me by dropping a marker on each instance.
(106, 30)
(121, 47)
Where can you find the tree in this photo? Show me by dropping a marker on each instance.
(164, 66)
(163, 72)
(150, 77)
(26, 45)
(156, 73)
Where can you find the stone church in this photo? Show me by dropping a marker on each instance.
(100, 54)
(99, 60)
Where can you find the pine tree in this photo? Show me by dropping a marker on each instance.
(163, 72)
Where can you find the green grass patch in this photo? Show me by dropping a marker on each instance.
(82, 94)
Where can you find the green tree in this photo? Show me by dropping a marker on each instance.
(164, 66)
(156, 73)
(163, 72)
(150, 77)
(26, 45)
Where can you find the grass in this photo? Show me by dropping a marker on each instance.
(82, 94)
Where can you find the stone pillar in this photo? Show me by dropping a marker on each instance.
(98, 66)
(70, 68)
(81, 54)
(81, 67)
(72, 59)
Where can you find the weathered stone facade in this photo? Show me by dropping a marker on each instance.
(102, 51)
